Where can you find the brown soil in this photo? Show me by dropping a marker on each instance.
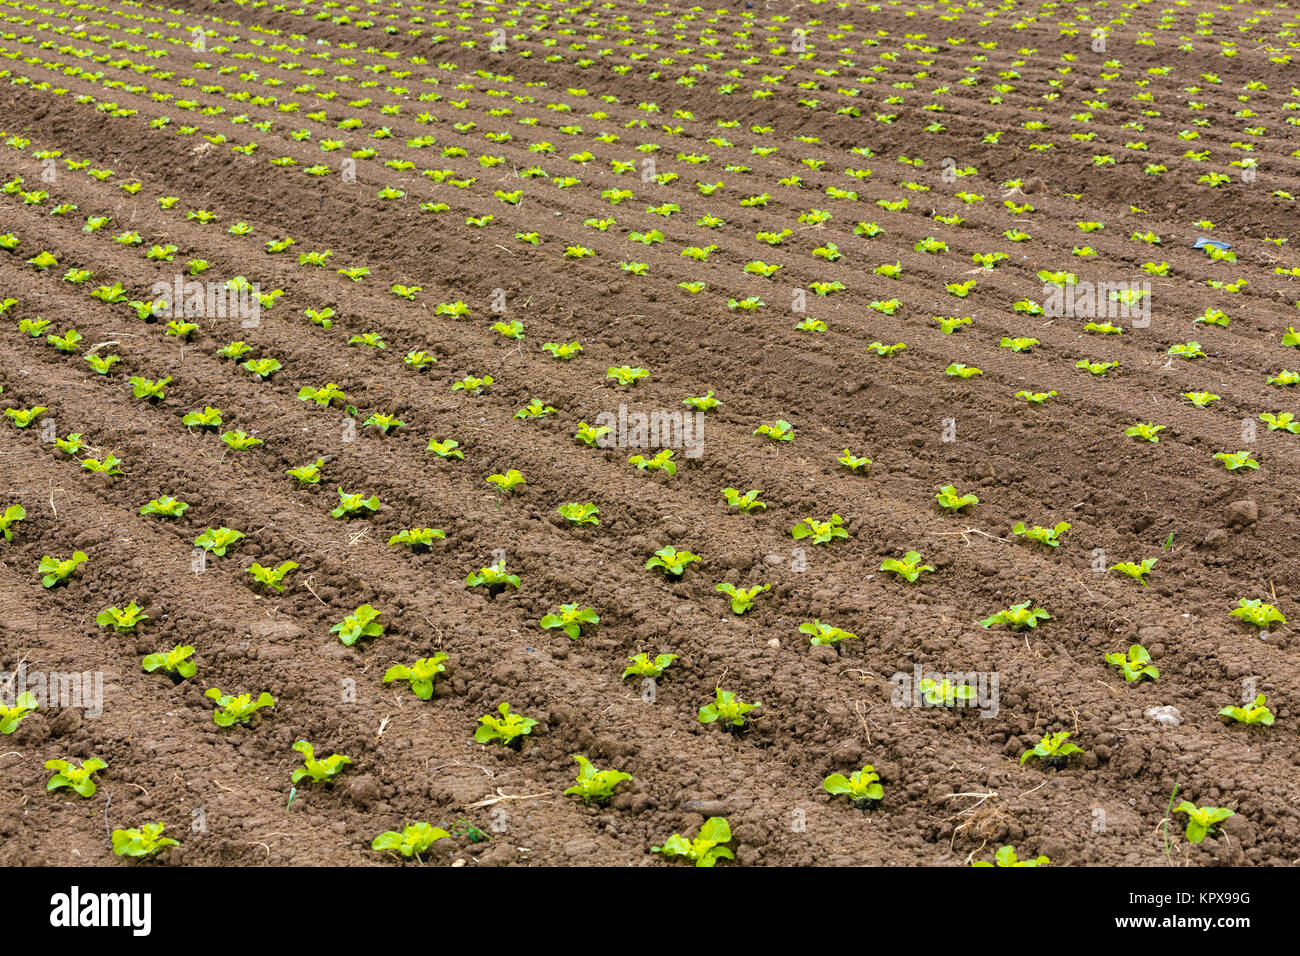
(954, 787)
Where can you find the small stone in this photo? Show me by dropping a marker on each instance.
(1166, 714)
(1242, 513)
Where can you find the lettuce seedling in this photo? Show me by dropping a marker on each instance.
(579, 514)
(746, 502)
(909, 567)
(1201, 399)
(951, 501)
(106, 467)
(726, 707)
(507, 728)
(672, 561)
(307, 474)
(961, 370)
(1201, 821)
(861, 786)
(1135, 665)
(1036, 398)
(781, 431)
(12, 515)
(1047, 536)
(360, 623)
(350, 504)
(121, 619)
(851, 461)
(643, 666)
(821, 532)
(495, 577)
(77, 779)
(944, 693)
(414, 839)
(595, 786)
(569, 619)
(271, 577)
(11, 717)
(1018, 617)
(563, 351)
(72, 445)
(1251, 714)
(742, 599)
(446, 448)
(1256, 612)
(421, 674)
(626, 375)
(237, 709)
(317, 770)
(1237, 459)
(322, 396)
(148, 390)
(704, 403)
(662, 461)
(145, 841)
(417, 539)
(23, 417)
(1283, 421)
(1054, 750)
(1096, 368)
(823, 635)
(55, 570)
(706, 849)
(218, 540)
(509, 481)
(1006, 856)
(1148, 430)
(1136, 571)
(102, 363)
(175, 661)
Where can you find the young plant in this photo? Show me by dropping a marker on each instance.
(1257, 613)
(742, 599)
(77, 779)
(421, 674)
(1046, 536)
(852, 462)
(216, 541)
(746, 502)
(909, 567)
(351, 504)
(726, 707)
(672, 561)
(145, 841)
(176, 661)
(507, 728)
(595, 786)
(509, 481)
(661, 461)
(271, 577)
(121, 619)
(1006, 856)
(237, 709)
(1018, 617)
(569, 619)
(626, 375)
(1054, 750)
(949, 500)
(446, 448)
(417, 539)
(23, 417)
(703, 403)
(1250, 714)
(307, 474)
(781, 431)
(706, 849)
(360, 623)
(54, 570)
(861, 786)
(12, 716)
(385, 423)
(821, 532)
(944, 693)
(494, 577)
(1237, 459)
(1137, 572)
(414, 839)
(643, 666)
(1135, 665)
(1201, 821)
(1036, 398)
(317, 770)
(12, 515)
(824, 635)
(1146, 430)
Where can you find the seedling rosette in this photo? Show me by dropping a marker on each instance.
(861, 787)
(746, 502)
(421, 674)
(1137, 572)
(121, 619)
(726, 707)
(1006, 856)
(145, 841)
(494, 577)
(507, 728)
(1018, 617)
(1135, 665)
(271, 577)
(417, 539)
(742, 599)
(672, 561)
(351, 504)
(317, 770)
(821, 532)
(643, 666)
(414, 839)
(1053, 750)
(236, 709)
(909, 567)
(11, 516)
(595, 786)
(216, 541)
(1250, 714)
(1257, 613)
(1201, 821)
(1045, 536)
(75, 778)
(950, 500)
(569, 619)
(360, 623)
(706, 849)
(12, 715)
(820, 634)
(174, 662)
(55, 570)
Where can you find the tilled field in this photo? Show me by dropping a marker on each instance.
(395, 138)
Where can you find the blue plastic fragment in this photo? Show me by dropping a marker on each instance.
(1203, 241)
